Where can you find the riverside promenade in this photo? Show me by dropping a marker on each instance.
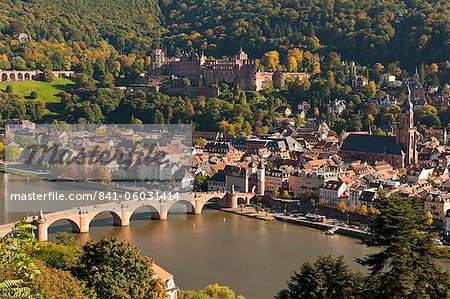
(323, 226)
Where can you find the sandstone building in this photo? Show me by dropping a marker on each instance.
(238, 71)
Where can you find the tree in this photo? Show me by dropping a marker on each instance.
(316, 112)
(34, 95)
(16, 27)
(115, 270)
(49, 76)
(363, 210)
(272, 60)
(286, 194)
(276, 192)
(2, 151)
(9, 89)
(64, 254)
(101, 173)
(292, 64)
(200, 142)
(200, 183)
(429, 218)
(18, 63)
(17, 263)
(12, 153)
(107, 99)
(405, 266)
(227, 128)
(326, 278)
(57, 283)
(186, 82)
(342, 207)
(371, 89)
(213, 291)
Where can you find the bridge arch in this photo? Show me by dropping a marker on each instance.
(177, 207)
(73, 223)
(214, 199)
(4, 77)
(117, 219)
(144, 212)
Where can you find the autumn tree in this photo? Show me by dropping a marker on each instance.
(115, 270)
(276, 192)
(213, 291)
(272, 60)
(286, 194)
(429, 218)
(363, 210)
(342, 207)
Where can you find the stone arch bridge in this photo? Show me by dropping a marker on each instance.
(13, 76)
(121, 212)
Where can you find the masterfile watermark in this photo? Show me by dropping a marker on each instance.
(55, 167)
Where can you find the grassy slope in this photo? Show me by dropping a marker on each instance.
(46, 91)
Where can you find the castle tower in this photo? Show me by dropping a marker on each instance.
(241, 55)
(158, 58)
(261, 173)
(407, 134)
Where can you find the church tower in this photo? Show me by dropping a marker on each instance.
(261, 173)
(407, 133)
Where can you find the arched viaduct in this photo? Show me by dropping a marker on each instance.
(121, 212)
(13, 76)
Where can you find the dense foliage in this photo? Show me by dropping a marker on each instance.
(115, 270)
(367, 31)
(64, 269)
(113, 37)
(129, 26)
(213, 291)
(327, 277)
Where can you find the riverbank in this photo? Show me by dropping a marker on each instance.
(323, 226)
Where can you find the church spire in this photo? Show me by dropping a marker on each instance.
(408, 106)
(406, 135)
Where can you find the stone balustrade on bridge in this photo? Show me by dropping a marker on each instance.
(121, 212)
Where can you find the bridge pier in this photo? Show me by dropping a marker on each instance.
(125, 221)
(42, 231)
(84, 223)
(198, 206)
(163, 215)
(233, 200)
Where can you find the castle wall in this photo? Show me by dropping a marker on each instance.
(262, 79)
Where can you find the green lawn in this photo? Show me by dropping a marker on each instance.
(46, 91)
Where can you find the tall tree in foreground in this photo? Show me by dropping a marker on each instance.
(406, 265)
(115, 270)
(327, 277)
